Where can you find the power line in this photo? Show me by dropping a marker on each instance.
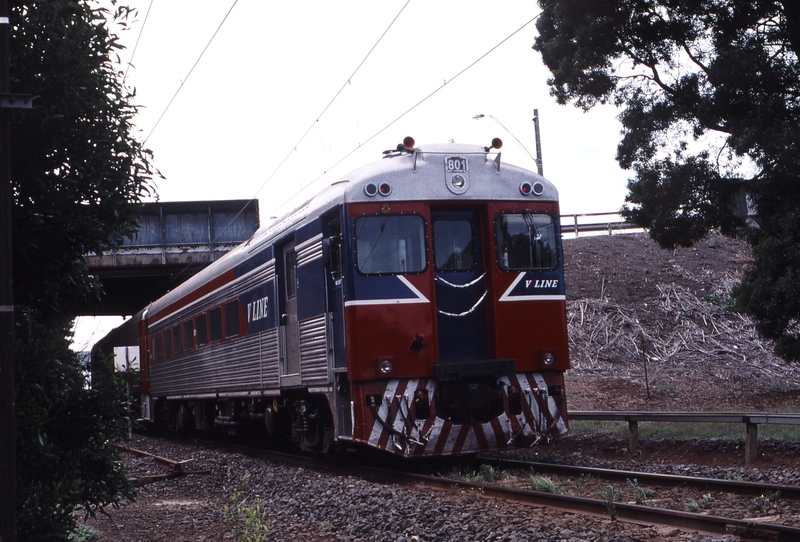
(136, 45)
(347, 82)
(190, 72)
(409, 110)
(309, 128)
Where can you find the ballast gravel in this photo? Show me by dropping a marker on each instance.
(301, 504)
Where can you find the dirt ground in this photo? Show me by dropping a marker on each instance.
(633, 306)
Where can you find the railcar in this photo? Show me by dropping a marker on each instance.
(415, 306)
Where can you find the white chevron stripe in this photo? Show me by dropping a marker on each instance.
(383, 412)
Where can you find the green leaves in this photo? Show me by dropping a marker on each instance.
(710, 98)
(78, 174)
(77, 170)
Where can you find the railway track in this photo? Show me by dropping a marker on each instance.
(625, 511)
(707, 523)
(739, 487)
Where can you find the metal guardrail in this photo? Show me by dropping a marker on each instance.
(577, 224)
(751, 421)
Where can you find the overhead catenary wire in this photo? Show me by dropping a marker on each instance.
(138, 38)
(406, 112)
(336, 95)
(225, 18)
(318, 117)
(333, 99)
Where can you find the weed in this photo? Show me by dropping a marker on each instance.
(467, 475)
(725, 304)
(83, 533)
(763, 503)
(249, 521)
(608, 494)
(694, 506)
(543, 484)
(640, 494)
(780, 386)
(490, 474)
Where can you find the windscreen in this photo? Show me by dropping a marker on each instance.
(390, 244)
(526, 241)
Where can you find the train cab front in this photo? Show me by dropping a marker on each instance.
(455, 309)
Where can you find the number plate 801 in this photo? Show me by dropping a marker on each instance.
(455, 164)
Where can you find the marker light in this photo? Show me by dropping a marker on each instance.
(538, 188)
(525, 188)
(408, 142)
(370, 189)
(386, 366)
(385, 189)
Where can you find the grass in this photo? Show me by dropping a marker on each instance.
(543, 484)
(657, 430)
(485, 474)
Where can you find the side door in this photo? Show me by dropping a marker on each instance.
(290, 328)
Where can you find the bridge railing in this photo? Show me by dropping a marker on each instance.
(595, 224)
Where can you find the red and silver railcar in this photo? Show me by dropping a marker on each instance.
(415, 306)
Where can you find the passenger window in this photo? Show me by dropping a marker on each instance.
(158, 347)
(453, 245)
(177, 339)
(291, 274)
(526, 242)
(167, 343)
(232, 319)
(390, 244)
(202, 330)
(188, 336)
(215, 324)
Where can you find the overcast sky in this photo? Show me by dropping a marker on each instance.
(279, 103)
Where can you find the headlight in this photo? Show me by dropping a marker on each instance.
(386, 366)
(549, 358)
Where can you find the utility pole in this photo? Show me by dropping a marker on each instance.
(8, 437)
(538, 142)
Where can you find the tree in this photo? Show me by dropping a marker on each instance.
(78, 174)
(709, 92)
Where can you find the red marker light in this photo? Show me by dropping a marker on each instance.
(408, 142)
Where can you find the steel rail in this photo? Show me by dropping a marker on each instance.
(668, 480)
(625, 511)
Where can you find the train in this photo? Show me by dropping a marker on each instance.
(415, 306)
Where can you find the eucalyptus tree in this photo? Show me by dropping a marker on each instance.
(709, 98)
(78, 173)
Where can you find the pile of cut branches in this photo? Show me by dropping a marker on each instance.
(688, 338)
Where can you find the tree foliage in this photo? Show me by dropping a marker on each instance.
(709, 92)
(64, 428)
(77, 170)
(77, 174)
